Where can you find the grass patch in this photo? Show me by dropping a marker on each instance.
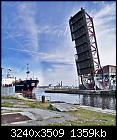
(88, 118)
(22, 102)
(8, 97)
(17, 110)
(7, 104)
(37, 105)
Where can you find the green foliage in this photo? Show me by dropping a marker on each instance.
(89, 118)
(7, 104)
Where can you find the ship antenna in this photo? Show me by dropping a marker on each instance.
(8, 73)
(27, 71)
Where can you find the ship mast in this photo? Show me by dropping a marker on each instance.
(8, 73)
(27, 71)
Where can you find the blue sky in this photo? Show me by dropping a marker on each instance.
(38, 33)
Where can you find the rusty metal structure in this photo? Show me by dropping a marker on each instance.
(87, 56)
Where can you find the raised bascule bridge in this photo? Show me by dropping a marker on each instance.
(90, 72)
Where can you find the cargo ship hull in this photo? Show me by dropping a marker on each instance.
(26, 87)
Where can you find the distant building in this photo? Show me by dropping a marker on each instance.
(108, 70)
(108, 73)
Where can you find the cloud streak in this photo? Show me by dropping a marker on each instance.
(50, 46)
(104, 22)
(27, 15)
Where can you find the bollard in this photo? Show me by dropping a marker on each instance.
(43, 99)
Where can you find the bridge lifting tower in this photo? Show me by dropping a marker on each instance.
(87, 56)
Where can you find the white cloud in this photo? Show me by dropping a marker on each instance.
(28, 17)
(62, 57)
(61, 72)
(104, 22)
(108, 10)
(103, 19)
(105, 27)
(22, 29)
(67, 74)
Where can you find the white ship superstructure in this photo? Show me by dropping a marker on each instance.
(9, 80)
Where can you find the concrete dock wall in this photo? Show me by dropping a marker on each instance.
(78, 91)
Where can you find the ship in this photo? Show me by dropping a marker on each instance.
(9, 80)
(27, 86)
(8, 83)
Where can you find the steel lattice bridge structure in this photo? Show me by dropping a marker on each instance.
(91, 73)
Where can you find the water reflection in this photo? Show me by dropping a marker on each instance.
(7, 91)
(104, 102)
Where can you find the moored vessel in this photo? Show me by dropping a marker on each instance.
(26, 86)
(8, 83)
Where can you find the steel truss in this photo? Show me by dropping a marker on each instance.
(88, 80)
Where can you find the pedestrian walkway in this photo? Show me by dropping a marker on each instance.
(37, 116)
(63, 107)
